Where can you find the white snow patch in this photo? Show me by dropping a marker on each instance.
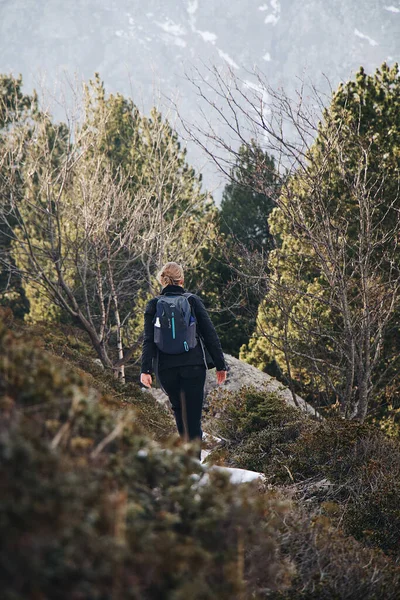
(240, 475)
(392, 9)
(267, 57)
(119, 33)
(192, 6)
(149, 15)
(204, 454)
(172, 28)
(365, 37)
(236, 475)
(208, 36)
(228, 59)
(180, 42)
(271, 19)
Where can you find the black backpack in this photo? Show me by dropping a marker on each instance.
(174, 324)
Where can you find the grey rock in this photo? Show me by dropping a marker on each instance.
(98, 362)
(157, 395)
(242, 374)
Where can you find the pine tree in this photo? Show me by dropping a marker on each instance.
(16, 109)
(242, 244)
(245, 211)
(333, 302)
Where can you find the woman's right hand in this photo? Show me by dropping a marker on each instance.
(146, 379)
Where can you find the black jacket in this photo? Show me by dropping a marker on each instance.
(195, 356)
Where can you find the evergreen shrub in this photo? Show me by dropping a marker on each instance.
(253, 423)
(363, 466)
(68, 346)
(358, 465)
(90, 507)
(332, 566)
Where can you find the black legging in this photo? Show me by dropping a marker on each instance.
(185, 389)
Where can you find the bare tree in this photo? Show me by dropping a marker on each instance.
(340, 299)
(81, 234)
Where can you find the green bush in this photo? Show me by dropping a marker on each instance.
(253, 424)
(363, 466)
(360, 465)
(92, 508)
(374, 512)
(330, 448)
(236, 415)
(135, 523)
(44, 360)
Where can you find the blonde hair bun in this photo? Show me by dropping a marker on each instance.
(170, 274)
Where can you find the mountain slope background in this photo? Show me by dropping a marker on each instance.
(140, 48)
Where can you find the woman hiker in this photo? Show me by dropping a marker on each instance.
(179, 339)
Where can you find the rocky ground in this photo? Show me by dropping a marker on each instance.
(240, 374)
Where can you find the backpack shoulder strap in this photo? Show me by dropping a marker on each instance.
(188, 295)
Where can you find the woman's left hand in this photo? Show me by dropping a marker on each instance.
(221, 377)
(146, 380)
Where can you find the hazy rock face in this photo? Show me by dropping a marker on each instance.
(140, 47)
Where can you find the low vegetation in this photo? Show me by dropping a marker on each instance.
(92, 506)
(100, 500)
(350, 470)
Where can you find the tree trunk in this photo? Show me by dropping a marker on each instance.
(120, 372)
(362, 406)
